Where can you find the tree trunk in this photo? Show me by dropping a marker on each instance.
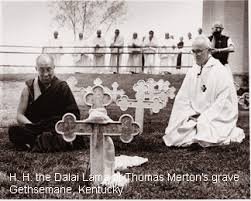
(84, 18)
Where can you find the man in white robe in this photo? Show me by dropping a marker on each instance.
(174, 55)
(83, 59)
(99, 53)
(116, 46)
(150, 49)
(205, 110)
(135, 57)
(55, 48)
(166, 60)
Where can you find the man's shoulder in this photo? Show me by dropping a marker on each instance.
(29, 83)
(59, 82)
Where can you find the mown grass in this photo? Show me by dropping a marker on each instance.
(232, 159)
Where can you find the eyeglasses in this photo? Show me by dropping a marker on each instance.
(44, 70)
(199, 51)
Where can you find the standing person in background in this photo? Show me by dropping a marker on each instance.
(221, 45)
(180, 46)
(166, 59)
(150, 49)
(82, 59)
(99, 53)
(55, 48)
(143, 57)
(116, 46)
(174, 55)
(134, 60)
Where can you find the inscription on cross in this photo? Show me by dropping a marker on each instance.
(99, 127)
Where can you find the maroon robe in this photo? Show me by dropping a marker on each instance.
(44, 112)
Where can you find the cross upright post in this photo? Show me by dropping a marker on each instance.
(99, 127)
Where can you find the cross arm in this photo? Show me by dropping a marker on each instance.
(69, 127)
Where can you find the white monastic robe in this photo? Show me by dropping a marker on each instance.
(99, 59)
(82, 59)
(212, 95)
(135, 57)
(116, 41)
(57, 43)
(150, 49)
(187, 55)
(168, 59)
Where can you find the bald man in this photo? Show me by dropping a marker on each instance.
(43, 102)
(116, 47)
(134, 62)
(83, 59)
(205, 110)
(222, 45)
(150, 48)
(99, 53)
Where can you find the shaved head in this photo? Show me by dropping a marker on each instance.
(45, 68)
(217, 29)
(217, 24)
(45, 59)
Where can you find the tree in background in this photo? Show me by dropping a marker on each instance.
(88, 16)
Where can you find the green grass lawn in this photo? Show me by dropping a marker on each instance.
(232, 159)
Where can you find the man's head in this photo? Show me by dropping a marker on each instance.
(80, 36)
(201, 49)
(135, 35)
(217, 28)
(99, 33)
(116, 32)
(55, 34)
(45, 67)
(181, 38)
(189, 35)
(200, 31)
(151, 33)
(167, 36)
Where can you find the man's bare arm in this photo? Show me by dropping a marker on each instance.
(23, 103)
(230, 48)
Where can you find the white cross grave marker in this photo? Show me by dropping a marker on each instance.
(140, 104)
(99, 127)
(159, 89)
